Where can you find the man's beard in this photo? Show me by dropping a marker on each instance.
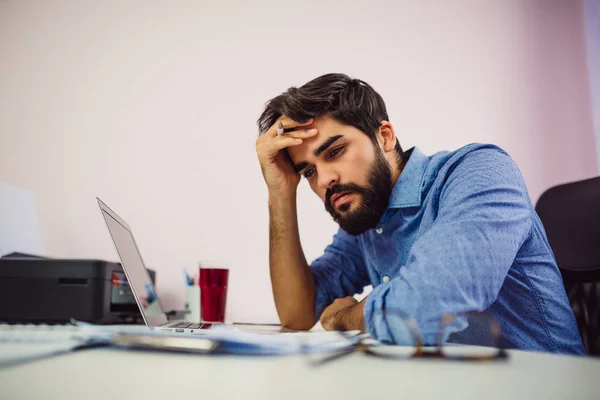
(375, 199)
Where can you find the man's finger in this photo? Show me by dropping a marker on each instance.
(301, 133)
(281, 143)
(287, 124)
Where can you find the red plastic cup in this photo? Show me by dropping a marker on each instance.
(213, 293)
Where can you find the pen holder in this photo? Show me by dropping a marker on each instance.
(192, 304)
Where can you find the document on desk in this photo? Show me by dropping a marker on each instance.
(231, 340)
(22, 343)
(235, 341)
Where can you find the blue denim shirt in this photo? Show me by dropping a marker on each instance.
(460, 234)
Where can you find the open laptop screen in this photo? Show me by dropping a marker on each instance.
(134, 268)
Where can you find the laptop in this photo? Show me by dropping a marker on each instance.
(139, 280)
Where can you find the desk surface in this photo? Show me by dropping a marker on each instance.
(112, 373)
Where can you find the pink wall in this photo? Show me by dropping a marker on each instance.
(591, 11)
(151, 105)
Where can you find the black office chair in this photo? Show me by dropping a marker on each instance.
(570, 214)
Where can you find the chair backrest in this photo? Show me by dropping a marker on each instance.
(570, 214)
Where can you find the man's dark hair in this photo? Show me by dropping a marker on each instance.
(348, 101)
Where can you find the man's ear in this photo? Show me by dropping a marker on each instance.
(387, 136)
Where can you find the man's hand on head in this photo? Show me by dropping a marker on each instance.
(344, 314)
(279, 173)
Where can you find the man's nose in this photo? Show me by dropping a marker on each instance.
(328, 177)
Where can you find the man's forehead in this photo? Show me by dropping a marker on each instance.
(325, 130)
(305, 151)
(327, 124)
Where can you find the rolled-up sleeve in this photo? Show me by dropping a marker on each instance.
(461, 262)
(339, 272)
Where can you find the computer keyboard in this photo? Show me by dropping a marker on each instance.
(187, 325)
(37, 333)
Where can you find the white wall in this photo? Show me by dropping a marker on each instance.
(151, 105)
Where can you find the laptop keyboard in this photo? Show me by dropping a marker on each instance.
(186, 325)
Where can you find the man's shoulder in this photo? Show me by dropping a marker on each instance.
(476, 163)
(482, 149)
(472, 154)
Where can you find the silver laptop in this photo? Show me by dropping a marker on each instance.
(139, 280)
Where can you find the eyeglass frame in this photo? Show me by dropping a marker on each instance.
(421, 351)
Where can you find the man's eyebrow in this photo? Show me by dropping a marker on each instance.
(300, 166)
(324, 146)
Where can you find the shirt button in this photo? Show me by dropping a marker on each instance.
(385, 279)
(379, 231)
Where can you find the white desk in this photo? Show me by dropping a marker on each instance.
(116, 374)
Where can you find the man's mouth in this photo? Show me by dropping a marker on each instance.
(340, 198)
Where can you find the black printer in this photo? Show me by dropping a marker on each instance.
(46, 290)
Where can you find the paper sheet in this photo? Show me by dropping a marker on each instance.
(29, 342)
(19, 228)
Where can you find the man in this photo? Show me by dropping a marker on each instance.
(449, 233)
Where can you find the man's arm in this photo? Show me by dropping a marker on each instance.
(291, 278)
(461, 262)
(301, 292)
(293, 286)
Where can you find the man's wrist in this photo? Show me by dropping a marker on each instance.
(352, 318)
(358, 316)
(279, 198)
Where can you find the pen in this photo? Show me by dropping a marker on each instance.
(188, 279)
(281, 130)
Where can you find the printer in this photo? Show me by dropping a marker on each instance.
(47, 290)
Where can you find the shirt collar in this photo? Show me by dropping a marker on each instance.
(407, 189)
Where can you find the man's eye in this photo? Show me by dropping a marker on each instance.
(336, 152)
(308, 173)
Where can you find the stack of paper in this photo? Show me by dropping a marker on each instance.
(20, 343)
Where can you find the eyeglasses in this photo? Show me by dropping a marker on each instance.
(485, 340)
